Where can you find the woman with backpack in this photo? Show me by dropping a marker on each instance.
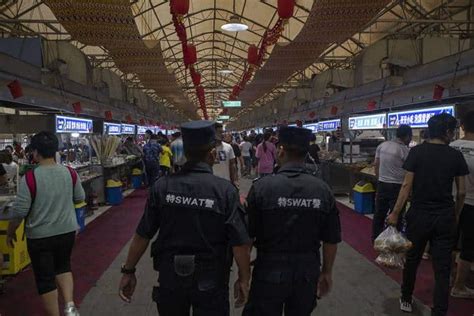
(46, 200)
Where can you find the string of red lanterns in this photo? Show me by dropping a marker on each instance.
(256, 55)
(178, 9)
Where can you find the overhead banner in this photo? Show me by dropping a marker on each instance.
(329, 126)
(417, 118)
(313, 127)
(112, 128)
(128, 129)
(66, 124)
(376, 121)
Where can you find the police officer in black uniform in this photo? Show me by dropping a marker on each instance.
(199, 218)
(290, 214)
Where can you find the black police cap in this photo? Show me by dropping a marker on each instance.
(198, 133)
(295, 136)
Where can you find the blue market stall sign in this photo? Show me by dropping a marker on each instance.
(112, 128)
(313, 127)
(128, 129)
(329, 126)
(417, 118)
(367, 122)
(141, 130)
(65, 124)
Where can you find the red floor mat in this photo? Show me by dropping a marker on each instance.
(95, 249)
(357, 233)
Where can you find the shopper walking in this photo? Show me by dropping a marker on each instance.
(266, 155)
(46, 202)
(178, 152)
(246, 148)
(389, 159)
(198, 218)
(432, 167)
(225, 165)
(239, 161)
(466, 218)
(290, 214)
(166, 157)
(151, 157)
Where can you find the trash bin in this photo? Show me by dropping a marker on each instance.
(113, 191)
(81, 215)
(364, 197)
(137, 178)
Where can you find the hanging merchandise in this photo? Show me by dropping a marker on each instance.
(15, 89)
(438, 92)
(77, 107)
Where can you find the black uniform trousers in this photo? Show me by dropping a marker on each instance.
(387, 194)
(288, 284)
(439, 228)
(201, 291)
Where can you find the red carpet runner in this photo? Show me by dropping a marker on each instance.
(356, 232)
(96, 248)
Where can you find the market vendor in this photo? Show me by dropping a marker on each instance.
(131, 148)
(389, 159)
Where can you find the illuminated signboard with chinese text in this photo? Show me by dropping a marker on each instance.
(141, 130)
(313, 127)
(329, 126)
(128, 129)
(231, 104)
(417, 118)
(112, 128)
(377, 121)
(65, 124)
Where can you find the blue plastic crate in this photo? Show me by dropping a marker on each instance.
(364, 202)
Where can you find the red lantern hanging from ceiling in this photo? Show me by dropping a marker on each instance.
(252, 55)
(179, 7)
(128, 118)
(196, 77)
(438, 92)
(15, 89)
(236, 90)
(312, 115)
(142, 121)
(371, 105)
(108, 115)
(77, 107)
(190, 55)
(286, 9)
(334, 110)
(299, 123)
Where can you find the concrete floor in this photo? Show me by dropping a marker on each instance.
(360, 288)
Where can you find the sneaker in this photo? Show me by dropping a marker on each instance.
(71, 311)
(406, 306)
(464, 293)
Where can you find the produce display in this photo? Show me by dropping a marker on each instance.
(392, 246)
(369, 170)
(329, 155)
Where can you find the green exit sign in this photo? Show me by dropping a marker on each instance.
(224, 117)
(231, 104)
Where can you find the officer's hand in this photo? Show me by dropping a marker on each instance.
(392, 219)
(127, 287)
(324, 284)
(241, 293)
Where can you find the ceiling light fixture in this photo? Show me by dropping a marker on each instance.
(234, 24)
(225, 71)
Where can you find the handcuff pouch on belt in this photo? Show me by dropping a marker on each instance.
(184, 265)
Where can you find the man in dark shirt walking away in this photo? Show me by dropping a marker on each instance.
(432, 167)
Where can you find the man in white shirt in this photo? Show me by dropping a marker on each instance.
(225, 164)
(389, 159)
(466, 219)
(246, 147)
